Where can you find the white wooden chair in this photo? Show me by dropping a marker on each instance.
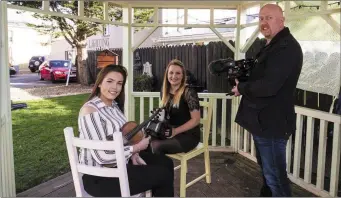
(78, 169)
(201, 148)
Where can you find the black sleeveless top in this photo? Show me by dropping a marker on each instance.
(178, 116)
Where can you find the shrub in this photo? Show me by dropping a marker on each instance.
(143, 82)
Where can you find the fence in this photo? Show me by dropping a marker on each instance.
(195, 58)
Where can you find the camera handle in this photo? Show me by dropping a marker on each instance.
(231, 82)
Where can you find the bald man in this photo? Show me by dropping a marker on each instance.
(267, 106)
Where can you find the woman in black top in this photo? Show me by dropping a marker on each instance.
(182, 111)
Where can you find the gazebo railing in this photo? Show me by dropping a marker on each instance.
(313, 152)
(220, 138)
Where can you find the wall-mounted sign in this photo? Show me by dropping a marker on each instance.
(106, 57)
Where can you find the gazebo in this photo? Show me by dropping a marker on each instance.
(241, 141)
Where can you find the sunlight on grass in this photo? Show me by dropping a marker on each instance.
(39, 146)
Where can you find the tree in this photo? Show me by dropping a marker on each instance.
(76, 31)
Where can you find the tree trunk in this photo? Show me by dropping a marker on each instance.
(81, 65)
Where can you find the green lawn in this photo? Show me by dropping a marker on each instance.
(146, 108)
(39, 146)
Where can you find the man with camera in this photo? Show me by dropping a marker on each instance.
(267, 105)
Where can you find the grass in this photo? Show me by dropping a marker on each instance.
(39, 146)
(146, 108)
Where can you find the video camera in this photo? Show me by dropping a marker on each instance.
(240, 69)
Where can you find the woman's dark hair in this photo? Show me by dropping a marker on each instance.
(102, 74)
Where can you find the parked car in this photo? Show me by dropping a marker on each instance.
(35, 62)
(12, 71)
(57, 70)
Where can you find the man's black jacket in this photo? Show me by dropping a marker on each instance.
(267, 106)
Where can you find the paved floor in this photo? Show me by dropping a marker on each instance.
(232, 176)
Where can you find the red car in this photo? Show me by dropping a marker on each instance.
(57, 70)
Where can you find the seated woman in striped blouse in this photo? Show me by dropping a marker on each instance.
(99, 118)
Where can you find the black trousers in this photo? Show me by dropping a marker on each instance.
(183, 142)
(157, 175)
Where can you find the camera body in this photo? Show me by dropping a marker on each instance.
(240, 69)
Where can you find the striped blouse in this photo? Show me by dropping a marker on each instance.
(101, 125)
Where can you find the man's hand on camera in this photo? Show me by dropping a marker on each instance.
(235, 89)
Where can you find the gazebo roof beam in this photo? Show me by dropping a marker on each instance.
(250, 4)
(295, 16)
(81, 8)
(46, 5)
(105, 11)
(180, 4)
(332, 22)
(185, 25)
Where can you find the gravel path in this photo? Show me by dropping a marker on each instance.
(48, 91)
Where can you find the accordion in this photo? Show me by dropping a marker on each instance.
(156, 127)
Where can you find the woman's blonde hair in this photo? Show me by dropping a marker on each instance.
(166, 85)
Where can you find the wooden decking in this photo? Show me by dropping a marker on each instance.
(232, 176)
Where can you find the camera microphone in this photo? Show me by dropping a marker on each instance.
(219, 66)
(239, 69)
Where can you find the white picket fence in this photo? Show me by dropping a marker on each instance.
(304, 168)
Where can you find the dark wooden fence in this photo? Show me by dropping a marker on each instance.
(196, 59)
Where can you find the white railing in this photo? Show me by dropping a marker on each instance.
(220, 138)
(304, 167)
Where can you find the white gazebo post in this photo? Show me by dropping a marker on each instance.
(127, 58)
(238, 54)
(7, 180)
